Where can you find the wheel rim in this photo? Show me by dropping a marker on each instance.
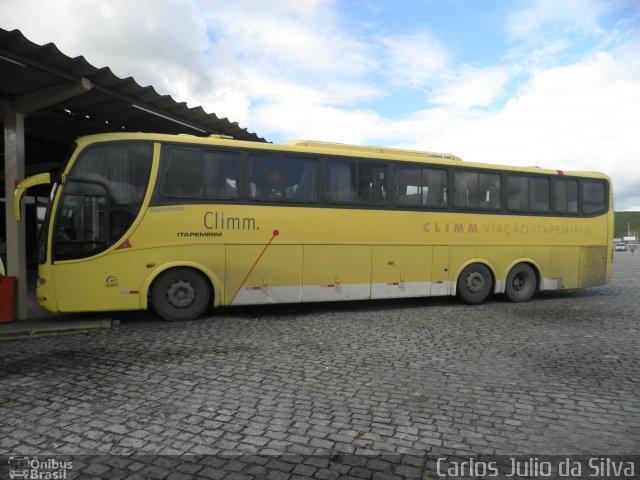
(475, 282)
(519, 282)
(181, 294)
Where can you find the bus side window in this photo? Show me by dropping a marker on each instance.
(540, 194)
(434, 193)
(477, 190)
(593, 197)
(222, 174)
(372, 181)
(565, 196)
(184, 172)
(280, 178)
(517, 193)
(266, 179)
(417, 186)
(466, 189)
(301, 179)
(528, 193)
(341, 181)
(409, 188)
(490, 191)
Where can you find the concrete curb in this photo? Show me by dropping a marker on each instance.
(48, 327)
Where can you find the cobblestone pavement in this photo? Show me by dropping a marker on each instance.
(358, 390)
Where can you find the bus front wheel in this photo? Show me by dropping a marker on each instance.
(180, 294)
(521, 283)
(474, 283)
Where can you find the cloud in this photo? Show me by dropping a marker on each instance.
(413, 60)
(320, 122)
(283, 54)
(472, 86)
(567, 16)
(165, 46)
(287, 38)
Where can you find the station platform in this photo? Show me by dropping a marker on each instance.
(40, 323)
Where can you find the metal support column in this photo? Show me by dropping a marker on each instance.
(16, 240)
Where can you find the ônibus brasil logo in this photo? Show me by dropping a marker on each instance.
(34, 468)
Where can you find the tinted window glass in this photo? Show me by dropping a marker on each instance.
(466, 189)
(528, 193)
(221, 174)
(81, 228)
(415, 185)
(372, 182)
(184, 172)
(409, 185)
(341, 181)
(278, 178)
(192, 172)
(266, 177)
(517, 193)
(359, 182)
(490, 191)
(122, 168)
(566, 196)
(436, 185)
(301, 179)
(539, 194)
(477, 190)
(593, 197)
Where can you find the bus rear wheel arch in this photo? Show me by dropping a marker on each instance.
(475, 283)
(522, 283)
(180, 294)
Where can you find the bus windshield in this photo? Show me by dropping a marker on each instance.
(101, 198)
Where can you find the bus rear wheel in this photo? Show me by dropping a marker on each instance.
(180, 294)
(521, 283)
(474, 283)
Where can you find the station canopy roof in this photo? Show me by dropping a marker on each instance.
(100, 101)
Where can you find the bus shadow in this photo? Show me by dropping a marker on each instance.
(604, 291)
(291, 310)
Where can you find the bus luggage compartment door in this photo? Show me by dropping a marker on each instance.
(256, 275)
(400, 271)
(336, 272)
(440, 271)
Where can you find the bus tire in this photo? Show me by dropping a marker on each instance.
(474, 283)
(180, 294)
(521, 283)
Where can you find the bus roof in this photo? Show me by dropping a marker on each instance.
(342, 147)
(327, 148)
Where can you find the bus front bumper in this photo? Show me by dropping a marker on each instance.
(45, 289)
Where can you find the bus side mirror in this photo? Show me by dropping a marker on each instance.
(21, 189)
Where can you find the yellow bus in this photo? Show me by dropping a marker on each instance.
(183, 223)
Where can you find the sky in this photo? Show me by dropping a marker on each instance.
(550, 83)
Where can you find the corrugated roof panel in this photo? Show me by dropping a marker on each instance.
(112, 98)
